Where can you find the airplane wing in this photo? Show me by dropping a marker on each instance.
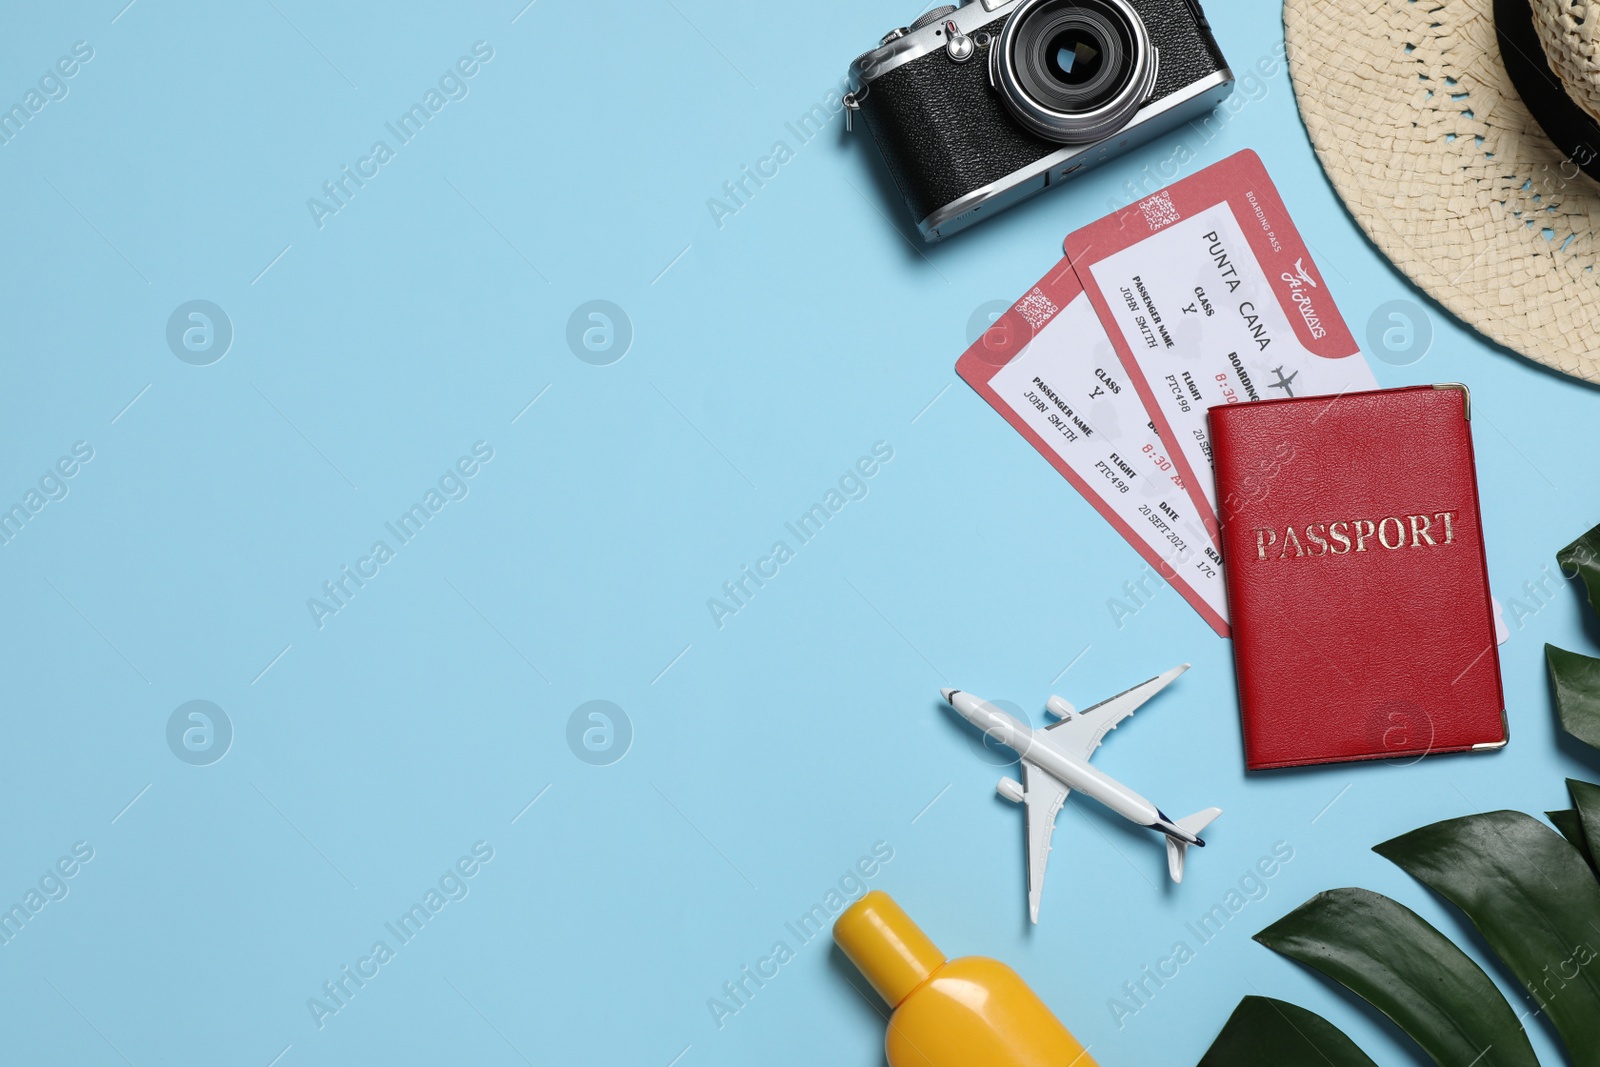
(1043, 793)
(1081, 733)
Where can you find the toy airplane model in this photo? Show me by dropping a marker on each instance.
(1055, 761)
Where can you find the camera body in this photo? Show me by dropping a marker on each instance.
(977, 107)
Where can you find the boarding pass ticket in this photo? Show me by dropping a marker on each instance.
(1049, 367)
(1201, 295)
(1211, 297)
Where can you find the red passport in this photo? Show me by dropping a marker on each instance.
(1357, 584)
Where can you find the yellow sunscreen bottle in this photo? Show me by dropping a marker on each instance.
(949, 1013)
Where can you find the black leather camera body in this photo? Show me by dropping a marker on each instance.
(977, 107)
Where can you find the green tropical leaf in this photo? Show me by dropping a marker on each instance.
(1582, 558)
(1587, 798)
(1263, 1032)
(1532, 898)
(1577, 683)
(1388, 955)
(1571, 826)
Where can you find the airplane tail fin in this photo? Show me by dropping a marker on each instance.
(1176, 849)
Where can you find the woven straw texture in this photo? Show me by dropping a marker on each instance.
(1567, 32)
(1427, 142)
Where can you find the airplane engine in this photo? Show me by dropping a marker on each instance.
(1011, 789)
(1060, 708)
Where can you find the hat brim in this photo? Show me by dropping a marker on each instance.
(1426, 140)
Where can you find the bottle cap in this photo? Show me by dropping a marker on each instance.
(887, 947)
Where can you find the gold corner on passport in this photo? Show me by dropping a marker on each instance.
(1466, 397)
(1505, 736)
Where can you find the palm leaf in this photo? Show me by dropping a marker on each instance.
(1582, 558)
(1263, 1032)
(1532, 898)
(1577, 684)
(1387, 954)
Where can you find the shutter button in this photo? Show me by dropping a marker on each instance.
(957, 45)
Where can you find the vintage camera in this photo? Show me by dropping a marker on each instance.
(980, 106)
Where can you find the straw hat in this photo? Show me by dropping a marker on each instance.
(1472, 172)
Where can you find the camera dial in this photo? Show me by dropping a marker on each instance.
(1074, 71)
(928, 18)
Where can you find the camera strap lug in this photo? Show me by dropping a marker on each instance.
(852, 104)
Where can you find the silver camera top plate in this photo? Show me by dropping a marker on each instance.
(914, 44)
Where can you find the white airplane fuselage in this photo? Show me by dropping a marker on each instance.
(1035, 747)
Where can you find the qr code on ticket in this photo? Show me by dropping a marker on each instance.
(1036, 308)
(1159, 212)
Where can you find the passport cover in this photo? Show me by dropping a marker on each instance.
(1357, 583)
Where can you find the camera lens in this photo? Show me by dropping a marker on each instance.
(1075, 56)
(1074, 59)
(1074, 71)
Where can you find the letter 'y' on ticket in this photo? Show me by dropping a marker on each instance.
(1050, 368)
(1211, 297)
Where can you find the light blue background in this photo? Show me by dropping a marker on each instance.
(770, 352)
